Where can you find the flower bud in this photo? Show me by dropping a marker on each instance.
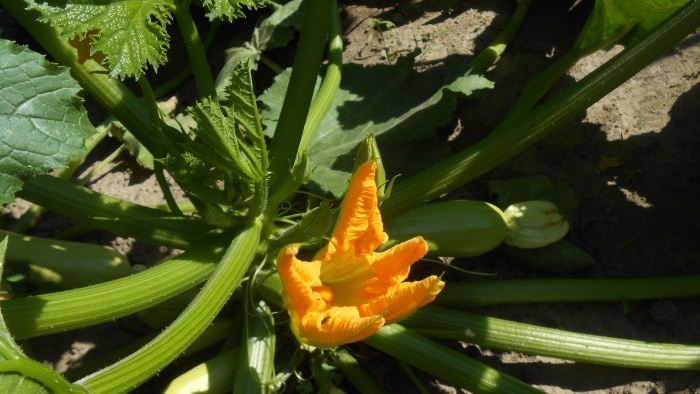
(534, 224)
(369, 150)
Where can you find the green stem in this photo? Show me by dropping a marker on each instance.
(493, 52)
(317, 111)
(182, 76)
(147, 361)
(413, 378)
(217, 332)
(498, 146)
(159, 172)
(55, 312)
(195, 50)
(103, 163)
(331, 82)
(254, 372)
(536, 89)
(444, 363)
(527, 338)
(111, 214)
(276, 68)
(566, 290)
(285, 152)
(355, 374)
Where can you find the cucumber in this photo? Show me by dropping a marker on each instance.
(457, 228)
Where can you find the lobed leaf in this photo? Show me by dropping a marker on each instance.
(43, 124)
(230, 9)
(131, 33)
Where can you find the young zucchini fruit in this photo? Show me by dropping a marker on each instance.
(467, 228)
(212, 376)
(65, 264)
(458, 228)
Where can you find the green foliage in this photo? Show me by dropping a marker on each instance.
(610, 20)
(273, 32)
(43, 124)
(409, 107)
(228, 157)
(131, 33)
(223, 144)
(230, 9)
(18, 373)
(219, 158)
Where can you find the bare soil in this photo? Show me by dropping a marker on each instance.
(632, 160)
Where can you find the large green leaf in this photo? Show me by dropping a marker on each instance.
(43, 124)
(392, 102)
(610, 20)
(19, 374)
(131, 33)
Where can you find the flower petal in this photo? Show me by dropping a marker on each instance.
(402, 299)
(359, 226)
(298, 278)
(334, 327)
(393, 266)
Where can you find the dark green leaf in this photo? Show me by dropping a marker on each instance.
(43, 124)
(611, 20)
(391, 102)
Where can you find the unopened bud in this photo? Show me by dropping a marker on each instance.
(369, 150)
(534, 224)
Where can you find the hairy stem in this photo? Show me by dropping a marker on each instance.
(527, 338)
(285, 153)
(169, 344)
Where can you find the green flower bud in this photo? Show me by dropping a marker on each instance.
(534, 224)
(369, 150)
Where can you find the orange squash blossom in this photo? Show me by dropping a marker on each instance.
(348, 291)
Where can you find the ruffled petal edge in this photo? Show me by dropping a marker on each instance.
(335, 327)
(403, 299)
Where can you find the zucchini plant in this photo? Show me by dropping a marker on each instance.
(261, 186)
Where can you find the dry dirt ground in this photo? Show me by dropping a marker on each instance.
(632, 160)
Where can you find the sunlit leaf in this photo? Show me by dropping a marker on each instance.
(131, 33)
(43, 124)
(230, 9)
